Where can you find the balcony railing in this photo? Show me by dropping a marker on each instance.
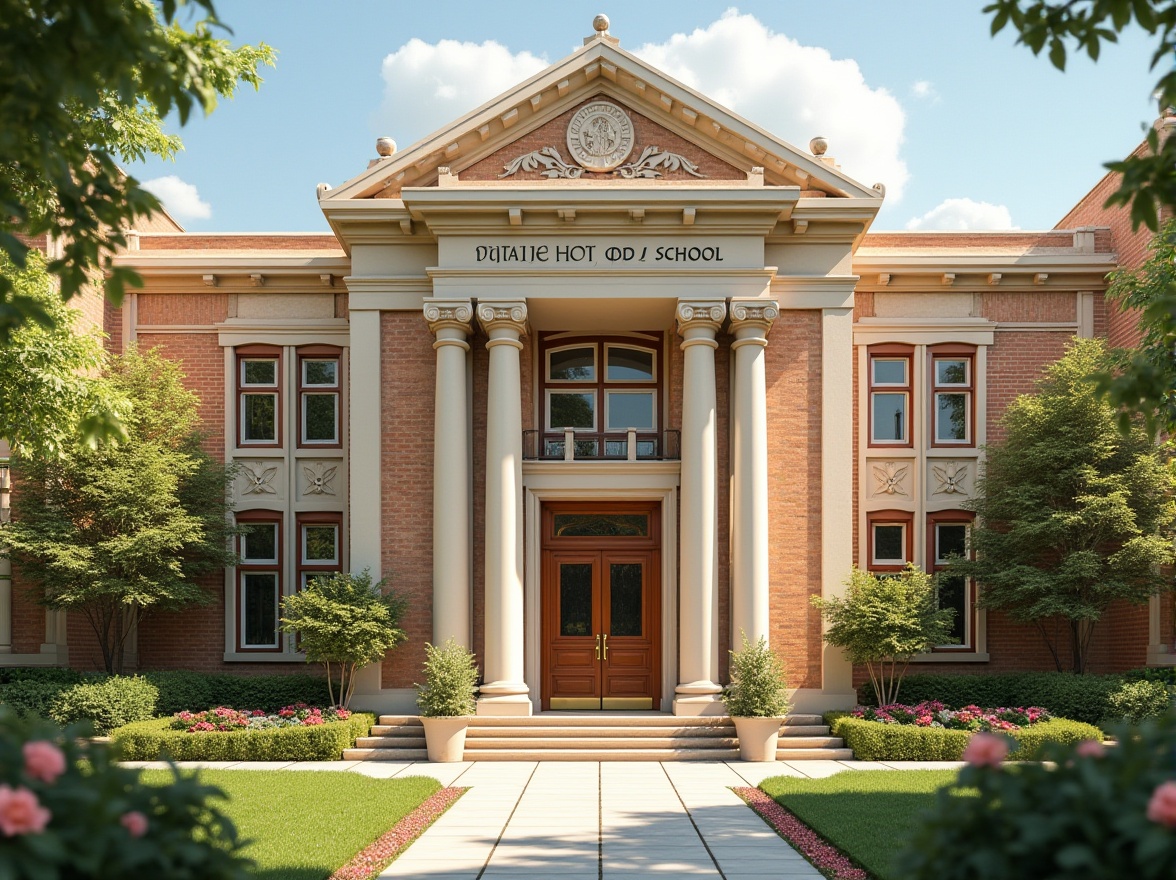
(569, 445)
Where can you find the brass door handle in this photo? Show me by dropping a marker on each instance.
(606, 646)
(598, 646)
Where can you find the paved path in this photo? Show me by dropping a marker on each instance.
(589, 820)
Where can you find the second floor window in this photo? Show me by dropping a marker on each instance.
(318, 400)
(890, 396)
(259, 391)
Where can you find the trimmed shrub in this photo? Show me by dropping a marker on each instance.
(1066, 695)
(154, 739)
(180, 690)
(875, 741)
(31, 697)
(56, 674)
(1166, 674)
(1134, 701)
(110, 703)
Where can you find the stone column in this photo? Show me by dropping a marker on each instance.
(505, 692)
(750, 322)
(450, 322)
(698, 644)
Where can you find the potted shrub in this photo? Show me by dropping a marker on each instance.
(446, 699)
(757, 699)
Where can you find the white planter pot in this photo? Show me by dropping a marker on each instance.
(757, 738)
(445, 738)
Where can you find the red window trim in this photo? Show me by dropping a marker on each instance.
(243, 567)
(318, 518)
(954, 517)
(321, 353)
(955, 351)
(258, 352)
(885, 518)
(890, 351)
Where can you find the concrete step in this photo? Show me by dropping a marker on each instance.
(602, 719)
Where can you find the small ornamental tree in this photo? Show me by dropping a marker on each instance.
(1072, 515)
(119, 532)
(884, 621)
(344, 622)
(758, 688)
(451, 682)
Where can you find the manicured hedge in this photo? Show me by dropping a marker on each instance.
(151, 740)
(875, 741)
(196, 691)
(1078, 697)
(108, 703)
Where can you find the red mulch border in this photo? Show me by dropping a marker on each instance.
(375, 857)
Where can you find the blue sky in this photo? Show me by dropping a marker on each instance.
(965, 130)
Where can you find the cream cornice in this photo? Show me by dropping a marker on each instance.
(604, 68)
(987, 272)
(923, 331)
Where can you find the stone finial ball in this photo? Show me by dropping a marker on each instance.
(818, 145)
(600, 24)
(385, 146)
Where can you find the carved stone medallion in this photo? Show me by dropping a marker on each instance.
(600, 136)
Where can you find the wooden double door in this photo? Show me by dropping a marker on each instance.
(601, 606)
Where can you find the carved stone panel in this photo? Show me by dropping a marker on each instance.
(891, 479)
(950, 481)
(260, 480)
(321, 479)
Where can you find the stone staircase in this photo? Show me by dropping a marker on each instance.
(598, 736)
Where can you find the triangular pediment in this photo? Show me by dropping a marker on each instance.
(678, 135)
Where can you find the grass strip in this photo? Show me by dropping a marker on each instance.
(304, 825)
(866, 814)
(824, 857)
(374, 858)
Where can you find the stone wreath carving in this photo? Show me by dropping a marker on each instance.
(652, 162)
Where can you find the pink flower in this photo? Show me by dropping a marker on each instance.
(43, 761)
(21, 812)
(1090, 748)
(1161, 809)
(986, 750)
(135, 822)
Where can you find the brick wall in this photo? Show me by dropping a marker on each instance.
(793, 366)
(1015, 361)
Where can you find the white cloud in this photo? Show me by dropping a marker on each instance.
(796, 92)
(964, 214)
(925, 90)
(180, 198)
(427, 86)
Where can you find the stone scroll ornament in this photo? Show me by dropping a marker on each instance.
(652, 162)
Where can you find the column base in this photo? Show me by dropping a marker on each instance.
(511, 705)
(693, 705)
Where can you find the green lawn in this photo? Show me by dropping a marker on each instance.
(306, 824)
(867, 814)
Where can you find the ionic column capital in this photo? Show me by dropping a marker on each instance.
(699, 320)
(449, 319)
(752, 319)
(503, 320)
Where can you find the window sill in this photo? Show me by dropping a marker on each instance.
(262, 657)
(1160, 655)
(952, 657)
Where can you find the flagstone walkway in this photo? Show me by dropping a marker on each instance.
(604, 821)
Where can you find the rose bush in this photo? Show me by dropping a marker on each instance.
(223, 718)
(932, 713)
(69, 812)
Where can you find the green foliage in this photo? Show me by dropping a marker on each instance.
(1077, 818)
(151, 740)
(120, 531)
(181, 690)
(1133, 701)
(1072, 514)
(1149, 181)
(48, 396)
(451, 679)
(344, 620)
(187, 835)
(883, 622)
(86, 86)
(1083, 698)
(1166, 674)
(1143, 380)
(306, 824)
(758, 688)
(59, 674)
(108, 704)
(876, 741)
(31, 697)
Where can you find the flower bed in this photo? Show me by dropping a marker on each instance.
(932, 713)
(223, 718)
(891, 741)
(284, 740)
